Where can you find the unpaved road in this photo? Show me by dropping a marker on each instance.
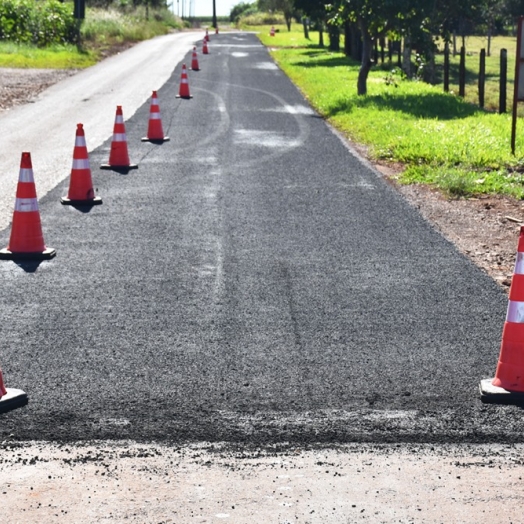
(127, 482)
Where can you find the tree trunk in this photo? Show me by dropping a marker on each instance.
(356, 44)
(406, 56)
(321, 34)
(431, 69)
(334, 38)
(287, 16)
(347, 38)
(366, 64)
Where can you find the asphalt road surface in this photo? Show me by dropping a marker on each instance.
(251, 282)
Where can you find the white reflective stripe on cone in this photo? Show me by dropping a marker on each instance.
(519, 264)
(119, 119)
(80, 141)
(154, 116)
(515, 312)
(26, 205)
(26, 175)
(80, 163)
(119, 137)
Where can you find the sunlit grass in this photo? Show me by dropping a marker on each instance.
(285, 38)
(57, 57)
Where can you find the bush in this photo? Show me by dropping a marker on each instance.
(239, 10)
(39, 23)
(262, 19)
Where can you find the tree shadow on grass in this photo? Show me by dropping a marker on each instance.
(435, 106)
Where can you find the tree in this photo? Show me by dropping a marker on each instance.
(239, 10)
(286, 7)
(373, 18)
(316, 11)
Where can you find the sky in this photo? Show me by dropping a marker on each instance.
(203, 7)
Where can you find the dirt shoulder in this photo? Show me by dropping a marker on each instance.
(129, 482)
(485, 229)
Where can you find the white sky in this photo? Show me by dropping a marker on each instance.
(203, 7)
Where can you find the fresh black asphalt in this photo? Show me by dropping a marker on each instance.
(251, 282)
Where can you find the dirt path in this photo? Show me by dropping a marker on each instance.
(126, 482)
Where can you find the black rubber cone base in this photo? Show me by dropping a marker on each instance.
(490, 394)
(91, 202)
(49, 252)
(119, 169)
(184, 97)
(14, 399)
(155, 140)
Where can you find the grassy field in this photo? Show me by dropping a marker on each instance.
(440, 138)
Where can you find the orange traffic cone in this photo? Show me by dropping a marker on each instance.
(205, 50)
(155, 133)
(206, 38)
(194, 61)
(81, 191)
(26, 239)
(216, 30)
(508, 384)
(184, 84)
(119, 157)
(10, 398)
(272, 32)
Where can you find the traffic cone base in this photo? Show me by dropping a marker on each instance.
(90, 202)
(155, 140)
(184, 96)
(15, 398)
(490, 394)
(119, 168)
(46, 254)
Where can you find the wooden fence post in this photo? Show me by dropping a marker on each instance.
(503, 80)
(446, 67)
(482, 77)
(462, 72)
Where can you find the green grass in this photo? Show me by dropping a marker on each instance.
(57, 57)
(441, 139)
(285, 38)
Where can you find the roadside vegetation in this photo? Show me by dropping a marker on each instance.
(45, 34)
